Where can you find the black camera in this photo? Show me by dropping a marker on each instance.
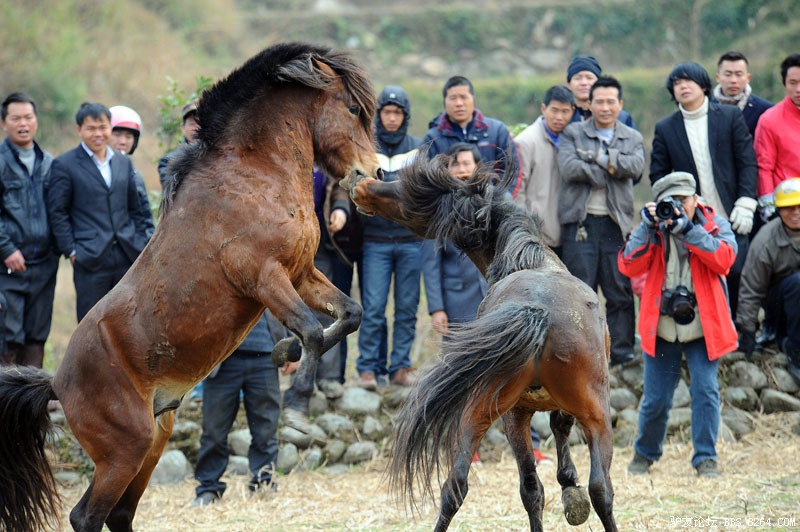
(678, 303)
(665, 209)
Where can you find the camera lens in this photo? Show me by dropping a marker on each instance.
(682, 311)
(665, 210)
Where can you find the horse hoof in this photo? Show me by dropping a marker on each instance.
(297, 420)
(287, 350)
(576, 505)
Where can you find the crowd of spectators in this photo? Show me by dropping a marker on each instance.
(719, 241)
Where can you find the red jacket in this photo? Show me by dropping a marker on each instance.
(777, 145)
(712, 247)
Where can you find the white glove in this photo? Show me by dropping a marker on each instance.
(742, 215)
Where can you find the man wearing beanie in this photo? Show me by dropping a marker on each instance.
(582, 72)
(710, 141)
(685, 250)
(389, 248)
(599, 159)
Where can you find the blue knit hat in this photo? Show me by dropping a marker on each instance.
(583, 62)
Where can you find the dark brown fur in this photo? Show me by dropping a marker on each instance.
(539, 343)
(238, 235)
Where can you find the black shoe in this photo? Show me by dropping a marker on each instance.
(793, 367)
(639, 465)
(263, 486)
(205, 498)
(708, 468)
(621, 360)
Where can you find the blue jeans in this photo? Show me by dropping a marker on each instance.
(380, 260)
(257, 377)
(661, 376)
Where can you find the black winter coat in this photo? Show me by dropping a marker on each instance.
(731, 146)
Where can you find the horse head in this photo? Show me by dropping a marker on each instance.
(343, 141)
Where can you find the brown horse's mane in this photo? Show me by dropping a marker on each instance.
(474, 214)
(277, 65)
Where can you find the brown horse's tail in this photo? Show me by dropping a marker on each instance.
(28, 497)
(478, 360)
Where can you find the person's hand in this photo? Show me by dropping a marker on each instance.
(747, 343)
(15, 262)
(439, 319)
(648, 214)
(680, 225)
(289, 367)
(585, 155)
(72, 259)
(742, 215)
(337, 221)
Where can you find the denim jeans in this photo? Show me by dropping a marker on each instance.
(256, 376)
(380, 260)
(661, 376)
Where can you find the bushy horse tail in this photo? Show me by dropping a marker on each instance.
(478, 360)
(28, 496)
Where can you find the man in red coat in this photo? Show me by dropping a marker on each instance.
(777, 141)
(686, 250)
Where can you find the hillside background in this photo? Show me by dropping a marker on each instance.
(64, 52)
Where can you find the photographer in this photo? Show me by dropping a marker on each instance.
(686, 250)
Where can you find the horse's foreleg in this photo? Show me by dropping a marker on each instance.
(517, 423)
(597, 427)
(121, 517)
(278, 294)
(319, 293)
(574, 498)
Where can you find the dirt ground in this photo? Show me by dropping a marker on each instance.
(759, 490)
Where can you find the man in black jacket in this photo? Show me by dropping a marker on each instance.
(733, 78)
(94, 209)
(710, 141)
(28, 276)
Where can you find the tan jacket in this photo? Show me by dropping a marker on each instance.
(541, 181)
(771, 257)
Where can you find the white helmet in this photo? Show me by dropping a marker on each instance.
(127, 118)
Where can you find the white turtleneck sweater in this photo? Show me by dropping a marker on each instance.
(696, 124)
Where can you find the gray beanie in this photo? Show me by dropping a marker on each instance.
(675, 184)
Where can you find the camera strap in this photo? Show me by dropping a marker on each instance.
(667, 238)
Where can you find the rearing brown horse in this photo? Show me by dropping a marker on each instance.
(539, 343)
(238, 234)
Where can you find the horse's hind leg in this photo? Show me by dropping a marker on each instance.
(573, 497)
(121, 517)
(118, 449)
(597, 427)
(455, 488)
(517, 423)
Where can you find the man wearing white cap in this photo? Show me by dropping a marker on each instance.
(686, 250)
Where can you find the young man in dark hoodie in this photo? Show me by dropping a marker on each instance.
(389, 248)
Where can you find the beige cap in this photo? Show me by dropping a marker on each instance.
(189, 108)
(675, 184)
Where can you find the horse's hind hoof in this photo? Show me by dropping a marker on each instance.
(576, 505)
(287, 350)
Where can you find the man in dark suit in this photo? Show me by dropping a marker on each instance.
(710, 141)
(94, 209)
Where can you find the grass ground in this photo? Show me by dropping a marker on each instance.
(759, 490)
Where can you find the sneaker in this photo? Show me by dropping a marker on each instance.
(404, 377)
(708, 468)
(205, 498)
(541, 460)
(639, 465)
(330, 388)
(621, 360)
(367, 381)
